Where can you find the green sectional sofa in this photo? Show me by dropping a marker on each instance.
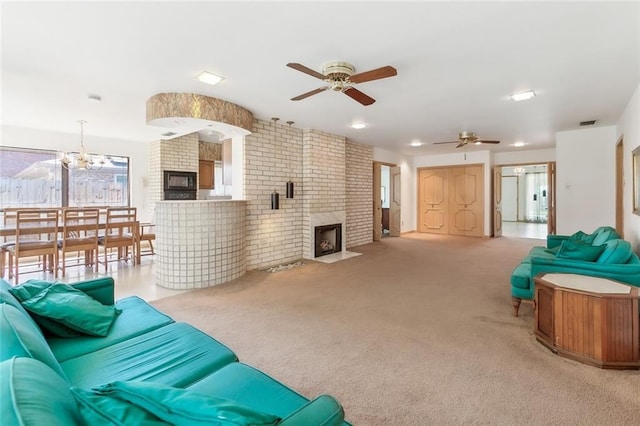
(600, 254)
(147, 369)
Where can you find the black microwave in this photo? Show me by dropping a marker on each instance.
(180, 181)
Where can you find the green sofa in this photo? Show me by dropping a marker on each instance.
(608, 256)
(170, 365)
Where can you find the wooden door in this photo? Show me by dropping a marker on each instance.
(497, 201)
(433, 196)
(551, 200)
(395, 191)
(377, 202)
(466, 215)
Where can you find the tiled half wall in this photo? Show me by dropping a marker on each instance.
(199, 243)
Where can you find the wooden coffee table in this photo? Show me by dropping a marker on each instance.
(588, 319)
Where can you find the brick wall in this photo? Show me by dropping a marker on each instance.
(324, 176)
(175, 154)
(359, 193)
(273, 155)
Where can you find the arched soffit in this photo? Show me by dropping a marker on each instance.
(189, 112)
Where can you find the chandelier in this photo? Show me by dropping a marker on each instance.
(82, 160)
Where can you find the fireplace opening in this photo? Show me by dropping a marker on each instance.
(328, 239)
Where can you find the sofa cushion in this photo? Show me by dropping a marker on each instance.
(10, 299)
(19, 336)
(140, 403)
(575, 250)
(176, 355)
(604, 234)
(33, 394)
(616, 251)
(67, 306)
(521, 276)
(137, 317)
(246, 385)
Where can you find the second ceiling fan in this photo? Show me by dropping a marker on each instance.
(339, 76)
(465, 138)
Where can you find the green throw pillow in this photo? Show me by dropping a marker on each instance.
(153, 403)
(581, 236)
(29, 289)
(575, 250)
(553, 250)
(72, 308)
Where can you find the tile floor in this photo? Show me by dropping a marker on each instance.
(140, 280)
(524, 230)
(130, 280)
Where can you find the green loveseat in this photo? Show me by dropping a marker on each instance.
(47, 380)
(612, 258)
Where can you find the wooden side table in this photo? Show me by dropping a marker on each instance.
(588, 319)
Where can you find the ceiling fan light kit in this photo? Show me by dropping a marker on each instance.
(339, 77)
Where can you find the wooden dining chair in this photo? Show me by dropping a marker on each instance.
(8, 219)
(121, 233)
(36, 235)
(79, 234)
(148, 235)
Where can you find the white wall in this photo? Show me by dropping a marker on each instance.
(137, 152)
(458, 158)
(629, 128)
(408, 183)
(585, 187)
(525, 156)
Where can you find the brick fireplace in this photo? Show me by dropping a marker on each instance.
(324, 221)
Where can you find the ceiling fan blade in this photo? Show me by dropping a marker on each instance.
(376, 74)
(461, 144)
(311, 93)
(484, 141)
(359, 96)
(439, 143)
(306, 70)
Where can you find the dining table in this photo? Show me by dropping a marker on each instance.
(9, 230)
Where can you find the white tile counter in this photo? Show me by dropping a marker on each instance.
(199, 243)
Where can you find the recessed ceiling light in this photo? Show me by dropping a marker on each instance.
(209, 78)
(523, 96)
(415, 143)
(358, 125)
(518, 144)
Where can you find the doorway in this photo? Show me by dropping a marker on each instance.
(526, 200)
(386, 201)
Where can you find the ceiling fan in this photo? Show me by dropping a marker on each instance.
(468, 137)
(340, 77)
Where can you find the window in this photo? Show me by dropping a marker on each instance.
(36, 178)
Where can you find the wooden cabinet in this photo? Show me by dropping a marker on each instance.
(588, 319)
(206, 172)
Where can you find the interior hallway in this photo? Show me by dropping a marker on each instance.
(524, 230)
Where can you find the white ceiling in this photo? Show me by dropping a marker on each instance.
(457, 63)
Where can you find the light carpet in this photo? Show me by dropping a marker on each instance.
(418, 330)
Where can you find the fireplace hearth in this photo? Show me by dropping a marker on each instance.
(328, 239)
